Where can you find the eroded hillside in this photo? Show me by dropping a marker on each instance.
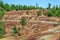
(35, 27)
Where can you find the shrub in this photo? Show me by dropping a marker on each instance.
(49, 14)
(38, 13)
(15, 30)
(23, 21)
(1, 14)
(58, 13)
(2, 30)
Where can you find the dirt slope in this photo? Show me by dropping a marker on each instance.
(35, 28)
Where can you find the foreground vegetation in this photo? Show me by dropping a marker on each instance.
(2, 30)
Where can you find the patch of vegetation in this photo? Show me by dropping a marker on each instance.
(16, 31)
(1, 14)
(38, 13)
(58, 13)
(2, 30)
(49, 14)
(23, 21)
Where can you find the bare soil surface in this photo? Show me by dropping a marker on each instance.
(36, 28)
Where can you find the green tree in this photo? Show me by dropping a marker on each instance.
(25, 7)
(37, 6)
(20, 7)
(57, 7)
(53, 10)
(49, 5)
(1, 3)
(7, 7)
(13, 7)
(17, 7)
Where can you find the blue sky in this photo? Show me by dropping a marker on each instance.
(41, 3)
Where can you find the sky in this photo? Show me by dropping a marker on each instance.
(41, 3)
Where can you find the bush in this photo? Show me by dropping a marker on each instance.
(2, 30)
(58, 13)
(38, 13)
(49, 14)
(1, 14)
(23, 21)
(15, 30)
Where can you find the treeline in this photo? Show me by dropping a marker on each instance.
(8, 7)
(53, 11)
